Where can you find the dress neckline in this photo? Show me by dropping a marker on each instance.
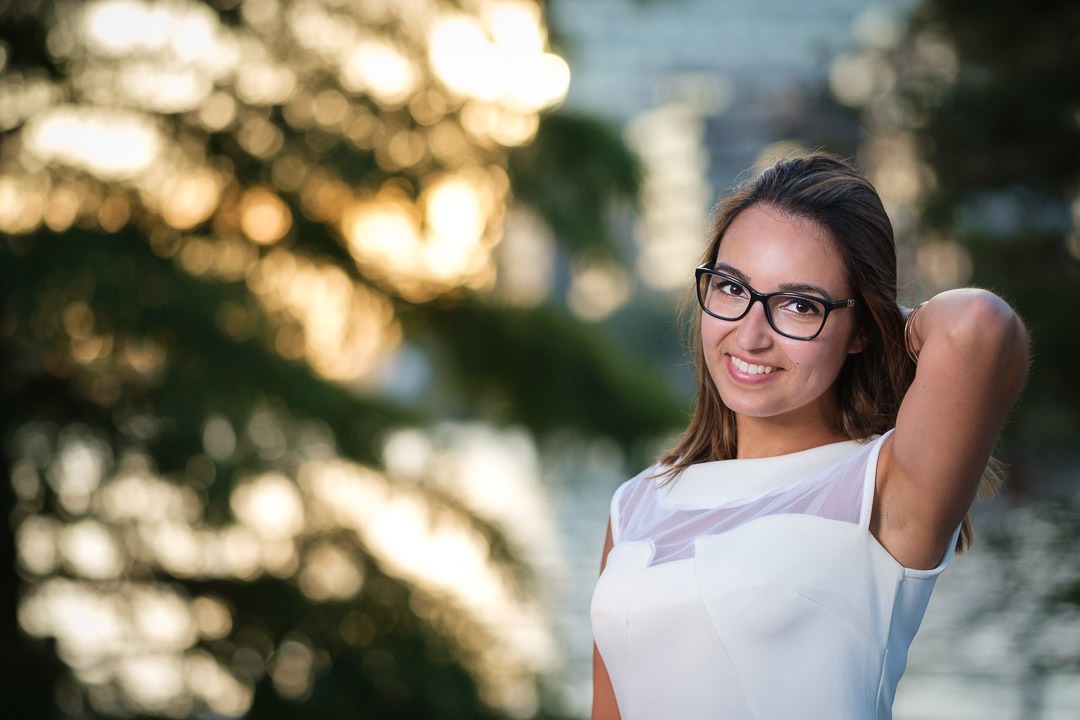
(719, 481)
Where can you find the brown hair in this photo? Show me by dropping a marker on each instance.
(830, 192)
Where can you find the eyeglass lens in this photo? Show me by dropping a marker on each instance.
(791, 315)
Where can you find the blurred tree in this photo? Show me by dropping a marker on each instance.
(246, 244)
(972, 119)
(991, 91)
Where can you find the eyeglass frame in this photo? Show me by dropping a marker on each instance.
(764, 298)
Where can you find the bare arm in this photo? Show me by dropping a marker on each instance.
(604, 704)
(973, 358)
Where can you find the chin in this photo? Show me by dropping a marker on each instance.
(789, 408)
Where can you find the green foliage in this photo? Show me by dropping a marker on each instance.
(574, 174)
(533, 367)
(998, 126)
(1008, 121)
(116, 332)
(988, 92)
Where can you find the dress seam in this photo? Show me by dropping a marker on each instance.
(720, 641)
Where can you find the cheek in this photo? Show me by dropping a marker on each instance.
(823, 362)
(712, 332)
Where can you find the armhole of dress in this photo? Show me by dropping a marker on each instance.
(932, 573)
(625, 509)
(870, 488)
(615, 514)
(870, 480)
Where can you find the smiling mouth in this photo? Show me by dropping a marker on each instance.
(751, 369)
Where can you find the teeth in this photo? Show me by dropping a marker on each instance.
(752, 369)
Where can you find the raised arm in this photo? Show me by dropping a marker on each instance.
(604, 705)
(972, 361)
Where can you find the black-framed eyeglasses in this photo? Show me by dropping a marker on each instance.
(794, 315)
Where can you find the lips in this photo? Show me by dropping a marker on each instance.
(749, 368)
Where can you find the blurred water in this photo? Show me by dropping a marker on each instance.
(972, 658)
(985, 633)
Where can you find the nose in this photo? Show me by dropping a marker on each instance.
(754, 331)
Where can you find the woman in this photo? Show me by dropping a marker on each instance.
(777, 561)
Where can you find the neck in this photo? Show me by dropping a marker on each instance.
(769, 437)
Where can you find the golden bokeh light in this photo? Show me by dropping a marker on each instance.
(90, 550)
(498, 57)
(264, 217)
(379, 67)
(443, 556)
(404, 149)
(116, 28)
(515, 26)
(78, 320)
(597, 290)
(332, 110)
(480, 85)
(427, 108)
(441, 245)
(293, 668)
(288, 173)
(212, 618)
(114, 213)
(324, 198)
(259, 137)
(328, 573)
(163, 618)
(144, 357)
(141, 638)
(449, 143)
(111, 143)
(270, 505)
(341, 328)
(260, 80)
(171, 55)
(215, 686)
(77, 469)
(218, 111)
(37, 542)
(855, 78)
(145, 636)
(62, 209)
(22, 203)
(425, 97)
(135, 494)
(25, 95)
(219, 438)
(456, 216)
(383, 233)
(488, 122)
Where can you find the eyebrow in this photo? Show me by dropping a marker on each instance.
(794, 287)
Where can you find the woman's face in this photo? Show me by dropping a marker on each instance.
(758, 372)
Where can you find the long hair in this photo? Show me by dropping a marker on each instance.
(828, 191)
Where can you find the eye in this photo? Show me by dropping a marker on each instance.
(728, 287)
(802, 307)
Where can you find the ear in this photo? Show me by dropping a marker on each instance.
(858, 343)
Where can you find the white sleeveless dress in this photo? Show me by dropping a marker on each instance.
(753, 589)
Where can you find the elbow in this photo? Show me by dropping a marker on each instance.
(990, 329)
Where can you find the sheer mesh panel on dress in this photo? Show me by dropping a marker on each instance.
(834, 493)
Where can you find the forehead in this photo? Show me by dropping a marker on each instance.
(771, 248)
